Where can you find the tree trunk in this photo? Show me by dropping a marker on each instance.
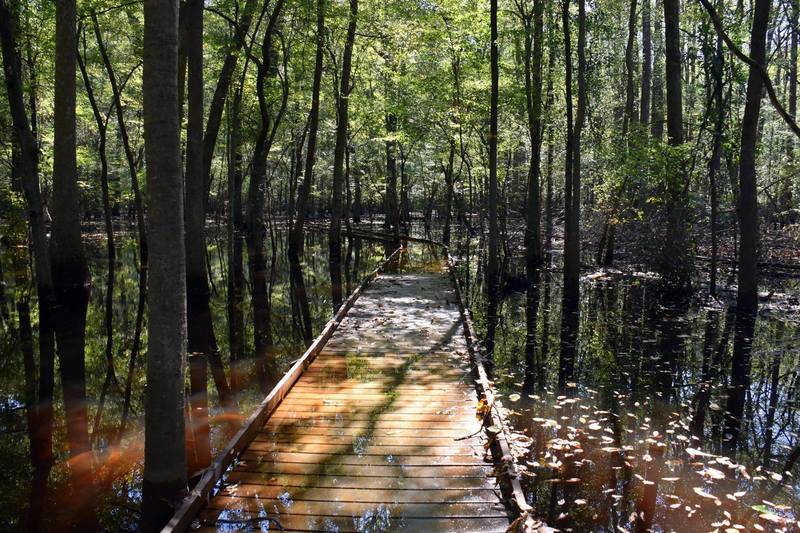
(70, 269)
(657, 109)
(164, 476)
(675, 261)
(533, 96)
(201, 337)
(391, 210)
(340, 151)
(140, 223)
(714, 164)
(493, 260)
(296, 239)
(571, 293)
(786, 205)
(28, 172)
(102, 128)
(647, 64)
(221, 90)
(630, 68)
(747, 211)
(262, 312)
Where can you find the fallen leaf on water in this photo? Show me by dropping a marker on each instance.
(694, 452)
(700, 492)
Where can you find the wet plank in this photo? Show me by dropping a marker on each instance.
(287, 505)
(363, 482)
(439, 471)
(230, 522)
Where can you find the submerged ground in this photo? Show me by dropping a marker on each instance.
(641, 420)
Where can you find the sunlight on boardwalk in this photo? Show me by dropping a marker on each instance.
(379, 434)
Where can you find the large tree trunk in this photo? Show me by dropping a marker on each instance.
(165, 456)
(70, 269)
(747, 211)
(340, 150)
(201, 337)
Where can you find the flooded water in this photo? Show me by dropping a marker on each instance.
(118, 462)
(638, 438)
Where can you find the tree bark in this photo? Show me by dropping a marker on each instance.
(70, 269)
(165, 456)
(571, 293)
(339, 153)
(747, 213)
(201, 337)
(222, 89)
(647, 64)
(675, 260)
(391, 222)
(533, 91)
(296, 240)
(28, 172)
(786, 198)
(630, 68)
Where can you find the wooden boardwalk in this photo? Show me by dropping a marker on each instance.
(381, 432)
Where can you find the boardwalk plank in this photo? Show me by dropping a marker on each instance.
(380, 433)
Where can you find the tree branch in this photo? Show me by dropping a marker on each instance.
(773, 98)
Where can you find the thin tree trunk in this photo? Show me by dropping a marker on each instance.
(714, 164)
(533, 91)
(111, 253)
(493, 260)
(201, 337)
(391, 207)
(222, 89)
(747, 211)
(140, 223)
(342, 107)
(675, 260)
(630, 68)
(28, 171)
(788, 216)
(296, 240)
(647, 64)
